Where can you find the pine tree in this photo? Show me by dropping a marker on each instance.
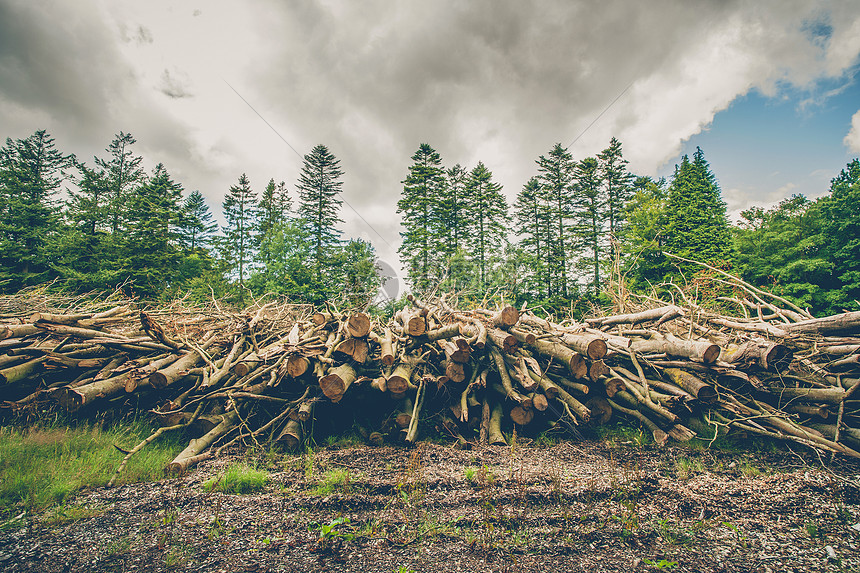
(319, 203)
(489, 216)
(196, 227)
(151, 245)
(453, 229)
(532, 226)
(697, 226)
(275, 205)
(31, 172)
(423, 191)
(240, 211)
(617, 190)
(555, 173)
(121, 174)
(589, 210)
(87, 207)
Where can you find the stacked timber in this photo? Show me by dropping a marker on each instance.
(281, 374)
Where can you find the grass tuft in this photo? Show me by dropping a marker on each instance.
(332, 481)
(44, 466)
(239, 479)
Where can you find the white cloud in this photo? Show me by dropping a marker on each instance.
(852, 139)
(484, 80)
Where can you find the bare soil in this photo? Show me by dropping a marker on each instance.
(592, 506)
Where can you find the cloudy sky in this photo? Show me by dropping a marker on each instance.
(214, 89)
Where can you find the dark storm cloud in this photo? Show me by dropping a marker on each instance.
(500, 82)
(62, 70)
(462, 75)
(53, 60)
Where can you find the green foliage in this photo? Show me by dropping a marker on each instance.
(333, 530)
(661, 564)
(644, 238)
(196, 227)
(589, 211)
(149, 249)
(237, 243)
(782, 249)
(319, 204)
(488, 213)
(617, 187)
(41, 466)
(840, 229)
(240, 478)
(555, 173)
(31, 172)
(532, 226)
(423, 206)
(697, 227)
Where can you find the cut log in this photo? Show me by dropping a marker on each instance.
(522, 416)
(291, 435)
(504, 341)
(698, 350)
(401, 377)
(358, 325)
(170, 374)
(696, 387)
(338, 380)
(494, 429)
(505, 318)
(759, 353)
(572, 360)
(589, 345)
(354, 348)
(20, 372)
(601, 411)
(297, 365)
(828, 395)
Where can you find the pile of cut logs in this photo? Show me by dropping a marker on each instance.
(285, 374)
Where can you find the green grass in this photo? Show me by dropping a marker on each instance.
(685, 468)
(332, 481)
(239, 478)
(44, 466)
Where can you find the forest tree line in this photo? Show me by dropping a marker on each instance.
(96, 227)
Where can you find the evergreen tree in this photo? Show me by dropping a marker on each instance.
(237, 243)
(121, 174)
(616, 186)
(151, 238)
(31, 172)
(319, 203)
(87, 207)
(275, 207)
(697, 227)
(196, 227)
(532, 226)
(453, 227)
(589, 211)
(423, 191)
(555, 173)
(489, 215)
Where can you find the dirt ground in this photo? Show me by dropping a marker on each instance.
(592, 506)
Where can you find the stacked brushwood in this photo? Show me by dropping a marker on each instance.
(282, 374)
